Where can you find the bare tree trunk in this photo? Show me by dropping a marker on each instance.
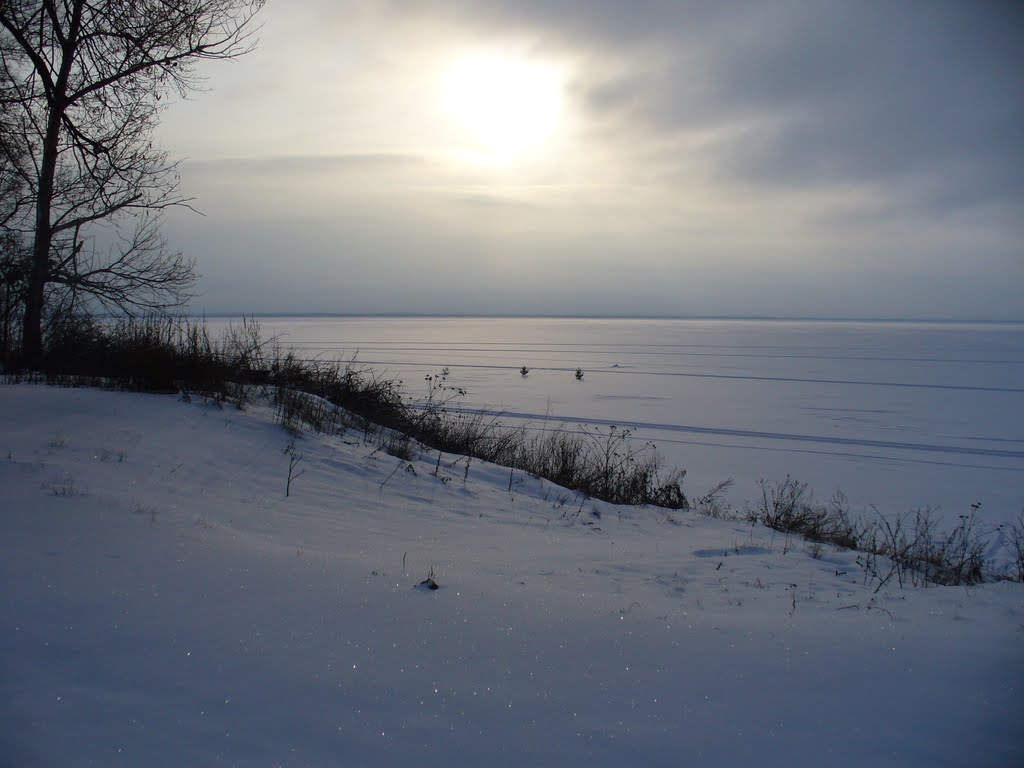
(39, 272)
(32, 329)
(32, 334)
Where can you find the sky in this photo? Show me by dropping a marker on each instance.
(800, 158)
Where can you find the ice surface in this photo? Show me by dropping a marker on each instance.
(897, 415)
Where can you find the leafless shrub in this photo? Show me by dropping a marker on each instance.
(921, 554)
(713, 503)
(397, 444)
(606, 465)
(960, 558)
(295, 409)
(294, 457)
(787, 506)
(1013, 536)
(908, 546)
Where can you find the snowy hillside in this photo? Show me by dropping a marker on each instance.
(165, 604)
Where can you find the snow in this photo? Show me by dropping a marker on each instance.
(165, 604)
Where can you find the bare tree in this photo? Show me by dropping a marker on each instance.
(83, 84)
(14, 201)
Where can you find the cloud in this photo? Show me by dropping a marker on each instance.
(303, 164)
(918, 99)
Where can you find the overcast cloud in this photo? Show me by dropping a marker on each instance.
(745, 158)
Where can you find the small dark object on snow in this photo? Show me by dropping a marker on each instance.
(428, 583)
(579, 374)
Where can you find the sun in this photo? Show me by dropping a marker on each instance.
(503, 105)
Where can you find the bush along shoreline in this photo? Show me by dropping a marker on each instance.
(180, 356)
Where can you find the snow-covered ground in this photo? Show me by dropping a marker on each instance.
(898, 415)
(165, 604)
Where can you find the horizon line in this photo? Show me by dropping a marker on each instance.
(554, 316)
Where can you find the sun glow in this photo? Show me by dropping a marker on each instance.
(503, 105)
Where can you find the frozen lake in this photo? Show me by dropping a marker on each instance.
(897, 415)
